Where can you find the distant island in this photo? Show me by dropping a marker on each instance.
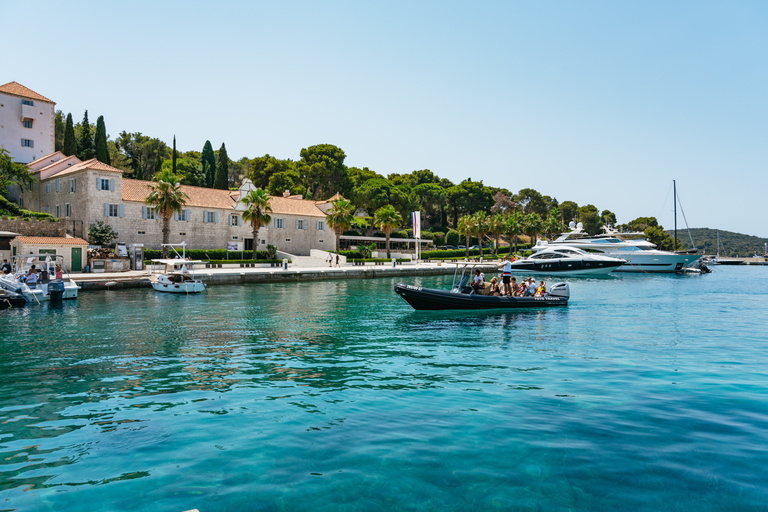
(731, 244)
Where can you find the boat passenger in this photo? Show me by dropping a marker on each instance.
(531, 291)
(506, 273)
(477, 283)
(6, 268)
(59, 274)
(31, 276)
(515, 292)
(541, 291)
(494, 288)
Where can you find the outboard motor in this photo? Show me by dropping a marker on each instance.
(560, 290)
(56, 291)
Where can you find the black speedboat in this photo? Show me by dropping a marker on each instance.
(461, 296)
(566, 260)
(9, 299)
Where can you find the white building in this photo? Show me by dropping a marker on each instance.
(26, 123)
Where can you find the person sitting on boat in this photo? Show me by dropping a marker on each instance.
(31, 277)
(59, 274)
(522, 290)
(494, 289)
(506, 273)
(477, 283)
(531, 291)
(541, 291)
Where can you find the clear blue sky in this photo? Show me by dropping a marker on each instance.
(598, 102)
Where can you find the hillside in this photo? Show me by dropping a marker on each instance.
(731, 244)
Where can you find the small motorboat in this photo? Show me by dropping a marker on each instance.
(178, 275)
(462, 296)
(9, 299)
(565, 260)
(46, 287)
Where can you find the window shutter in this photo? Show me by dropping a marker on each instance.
(297, 223)
(31, 143)
(143, 212)
(106, 209)
(121, 212)
(175, 216)
(189, 215)
(98, 183)
(111, 184)
(57, 185)
(205, 216)
(216, 217)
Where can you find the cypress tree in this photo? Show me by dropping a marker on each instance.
(102, 152)
(69, 147)
(158, 161)
(222, 171)
(173, 162)
(208, 159)
(85, 149)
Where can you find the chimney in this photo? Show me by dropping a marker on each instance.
(287, 193)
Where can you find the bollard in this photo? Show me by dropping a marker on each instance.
(394, 262)
(285, 263)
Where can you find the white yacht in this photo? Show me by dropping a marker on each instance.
(47, 285)
(565, 260)
(640, 254)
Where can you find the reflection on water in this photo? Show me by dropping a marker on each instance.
(329, 395)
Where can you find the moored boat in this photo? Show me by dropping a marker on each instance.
(9, 299)
(178, 275)
(44, 288)
(565, 260)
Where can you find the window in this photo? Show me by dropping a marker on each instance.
(47, 188)
(320, 241)
(104, 184)
(57, 211)
(142, 233)
(300, 224)
(28, 102)
(113, 210)
(287, 239)
(67, 210)
(45, 209)
(263, 242)
(72, 187)
(279, 223)
(27, 143)
(234, 220)
(150, 213)
(320, 225)
(182, 234)
(183, 216)
(28, 123)
(234, 238)
(210, 217)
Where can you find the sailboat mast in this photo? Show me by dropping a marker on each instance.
(674, 193)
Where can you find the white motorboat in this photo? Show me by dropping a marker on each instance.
(565, 260)
(45, 287)
(178, 275)
(640, 254)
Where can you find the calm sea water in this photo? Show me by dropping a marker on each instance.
(647, 392)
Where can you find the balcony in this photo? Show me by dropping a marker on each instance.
(28, 111)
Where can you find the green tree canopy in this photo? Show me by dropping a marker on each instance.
(387, 219)
(85, 149)
(101, 233)
(590, 218)
(339, 218)
(531, 201)
(257, 213)
(323, 171)
(569, 211)
(12, 172)
(100, 142)
(208, 162)
(222, 171)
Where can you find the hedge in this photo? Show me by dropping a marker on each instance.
(380, 260)
(230, 262)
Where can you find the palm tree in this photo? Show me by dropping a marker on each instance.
(257, 213)
(386, 219)
(495, 228)
(533, 225)
(554, 223)
(481, 229)
(339, 218)
(167, 197)
(466, 225)
(513, 226)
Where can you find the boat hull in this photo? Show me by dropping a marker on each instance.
(429, 299)
(565, 267)
(189, 287)
(655, 263)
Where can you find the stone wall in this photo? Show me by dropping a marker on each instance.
(34, 227)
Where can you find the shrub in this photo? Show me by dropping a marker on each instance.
(208, 254)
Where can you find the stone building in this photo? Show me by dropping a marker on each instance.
(26, 123)
(82, 193)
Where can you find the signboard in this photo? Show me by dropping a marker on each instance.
(231, 246)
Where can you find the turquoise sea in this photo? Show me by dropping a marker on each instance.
(648, 392)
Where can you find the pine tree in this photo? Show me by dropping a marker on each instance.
(102, 152)
(208, 159)
(69, 147)
(222, 171)
(85, 142)
(173, 161)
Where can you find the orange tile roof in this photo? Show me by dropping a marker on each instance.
(16, 89)
(91, 164)
(335, 197)
(137, 190)
(49, 240)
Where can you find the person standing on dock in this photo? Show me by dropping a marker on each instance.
(506, 275)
